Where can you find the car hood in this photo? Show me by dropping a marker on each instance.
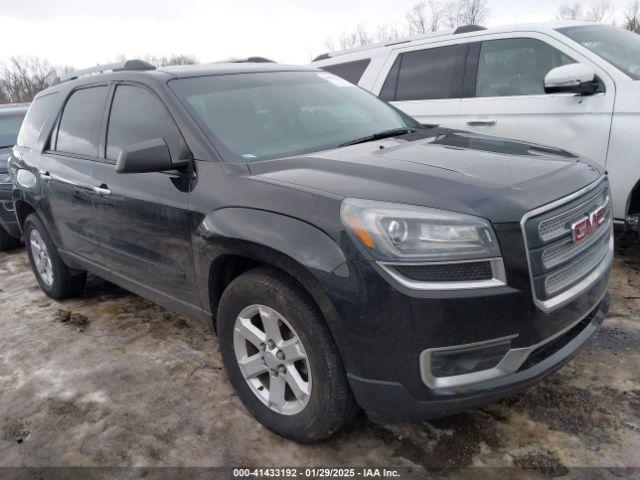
(495, 178)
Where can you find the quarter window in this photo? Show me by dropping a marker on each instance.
(516, 66)
(78, 132)
(138, 115)
(350, 71)
(434, 73)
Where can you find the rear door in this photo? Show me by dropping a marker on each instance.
(508, 97)
(143, 218)
(66, 168)
(427, 82)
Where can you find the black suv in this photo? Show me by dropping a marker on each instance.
(11, 116)
(346, 255)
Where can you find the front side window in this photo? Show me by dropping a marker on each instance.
(516, 66)
(350, 71)
(9, 128)
(138, 115)
(80, 121)
(619, 47)
(435, 73)
(266, 115)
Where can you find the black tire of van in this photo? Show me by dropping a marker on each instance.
(330, 405)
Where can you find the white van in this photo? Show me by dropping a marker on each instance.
(573, 85)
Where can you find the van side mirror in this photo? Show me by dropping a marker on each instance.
(148, 156)
(573, 78)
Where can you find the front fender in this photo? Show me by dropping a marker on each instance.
(301, 241)
(293, 245)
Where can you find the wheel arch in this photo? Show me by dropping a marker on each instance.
(231, 241)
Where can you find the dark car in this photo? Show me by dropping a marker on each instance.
(346, 256)
(11, 116)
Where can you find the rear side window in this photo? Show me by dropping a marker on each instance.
(350, 71)
(516, 66)
(138, 115)
(80, 121)
(38, 112)
(431, 74)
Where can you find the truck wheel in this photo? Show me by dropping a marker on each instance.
(7, 242)
(281, 358)
(53, 276)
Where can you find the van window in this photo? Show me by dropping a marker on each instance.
(430, 74)
(516, 66)
(78, 131)
(34, 121)
(9, 128)
(350, 71)
(138, 115)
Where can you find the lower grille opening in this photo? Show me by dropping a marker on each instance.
(454, 272)
(556, 344)
(448, 363)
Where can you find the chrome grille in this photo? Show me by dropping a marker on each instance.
(560, 225)
(559, 267)
(566, 276)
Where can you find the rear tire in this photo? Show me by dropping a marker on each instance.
(53, 276)
(317, 400)
(7, 242)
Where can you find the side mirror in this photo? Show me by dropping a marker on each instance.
(573, 78)
(148, 156)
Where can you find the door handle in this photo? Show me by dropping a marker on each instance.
(102, 190)
(481, 123)
(45, 176)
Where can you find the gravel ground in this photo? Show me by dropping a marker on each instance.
(110, 379)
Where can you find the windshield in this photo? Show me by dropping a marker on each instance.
(621, 48)
(256, 116)
(9, 128)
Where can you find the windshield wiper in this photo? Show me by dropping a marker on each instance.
(394, 132)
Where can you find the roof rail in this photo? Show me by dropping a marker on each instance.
(469, 29)
(248, 60)
(323, 56)
(110, 67)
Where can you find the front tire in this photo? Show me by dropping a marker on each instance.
(281, 358)
(53, 276)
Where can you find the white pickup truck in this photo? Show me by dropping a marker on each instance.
(573, 85)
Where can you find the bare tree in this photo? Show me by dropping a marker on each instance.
(167, 61)
(570, 11)
(599, 11)
(473, 12)
(387, 33)
(632, 17)
(21, 78)
(417, 20)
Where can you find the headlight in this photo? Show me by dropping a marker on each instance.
(5, 178)
(390, 231)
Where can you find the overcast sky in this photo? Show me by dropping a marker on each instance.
(81, 33)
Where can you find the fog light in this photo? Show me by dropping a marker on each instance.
(458, 361)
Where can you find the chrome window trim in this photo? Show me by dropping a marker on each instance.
(510, 363)
(497, 268)
(566, 297)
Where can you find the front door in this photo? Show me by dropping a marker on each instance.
(143, 218)
(510, 100)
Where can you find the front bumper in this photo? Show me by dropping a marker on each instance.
(8, 220)
(391, 401)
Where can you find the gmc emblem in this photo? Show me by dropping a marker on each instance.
(587, 226)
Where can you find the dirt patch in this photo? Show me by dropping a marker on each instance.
(546, 463)
(73, 319)
(14, 430)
